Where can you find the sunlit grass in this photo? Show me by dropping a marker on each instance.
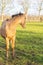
(29, 46)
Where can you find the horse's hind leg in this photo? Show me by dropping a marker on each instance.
(7, 47)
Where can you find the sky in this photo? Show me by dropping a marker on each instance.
(33, 9)
(14, 7)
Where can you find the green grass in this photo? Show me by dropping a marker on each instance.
(29, 46)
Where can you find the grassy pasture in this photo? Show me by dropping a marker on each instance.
(29, 46)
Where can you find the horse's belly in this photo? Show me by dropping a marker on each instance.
(3, 34)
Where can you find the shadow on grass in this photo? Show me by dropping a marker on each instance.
(32, 57)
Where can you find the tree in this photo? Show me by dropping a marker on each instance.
(25, 5)
(3, 5)
(40, 8)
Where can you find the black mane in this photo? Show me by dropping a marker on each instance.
(17, 15)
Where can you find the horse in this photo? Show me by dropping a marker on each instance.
(8, 30)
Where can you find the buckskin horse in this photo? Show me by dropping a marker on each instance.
(8, 30)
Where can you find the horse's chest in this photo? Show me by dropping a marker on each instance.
(10, 32)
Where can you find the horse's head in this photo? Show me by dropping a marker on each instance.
(20, 18)
(23, 20)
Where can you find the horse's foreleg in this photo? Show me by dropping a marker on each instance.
(13, 45)
(7, 46)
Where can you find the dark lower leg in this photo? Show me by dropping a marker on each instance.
(7, 52)
(13, 52)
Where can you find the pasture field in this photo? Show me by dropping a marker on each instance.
(28, 47)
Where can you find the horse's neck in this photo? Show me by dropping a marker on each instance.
(15, 22)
